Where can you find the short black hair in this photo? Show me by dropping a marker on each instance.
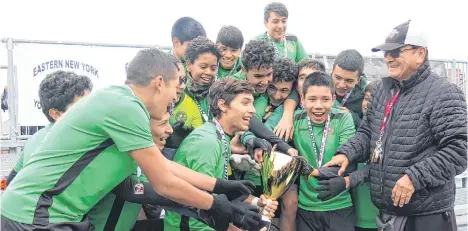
(350, 60)
(318, 79)
(199, 46)
(59, 89)
(186, 29)
(227, 89)
(276, 7)
(258, 54)
(175, 60)
(230, 36)
(284, 70)
(371, 86)
(311, 63)
(149, 63)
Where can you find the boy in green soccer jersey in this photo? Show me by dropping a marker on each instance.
(54, 102)
(183, 31)
(319, 129)
(65, 177)
(207, 149)
(115, 213)
(366, 212)
(230, 42)
(276, 21)
(257, 60)
(349, 80)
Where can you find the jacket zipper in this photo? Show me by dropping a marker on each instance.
(385, 139)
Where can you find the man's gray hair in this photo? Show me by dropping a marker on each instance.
(150, 63)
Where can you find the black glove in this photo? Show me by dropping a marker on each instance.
(250, 220)
(327, 173)
(221, 213)
(331, 188)
(255, 143)
(233, 188)
(180, 132)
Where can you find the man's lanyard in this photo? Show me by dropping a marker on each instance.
(388, 110)
(276, 48)
(225, 153)
(319, 155)
(204, 115)
(345, 98)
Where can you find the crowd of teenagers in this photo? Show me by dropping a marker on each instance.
(180, 145)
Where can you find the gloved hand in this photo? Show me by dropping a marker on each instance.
(221, 213)
(331, 188)
(180, 132)
(250, 220)
(242, 162)
(255, 143)
(233, 188)
(327, 173)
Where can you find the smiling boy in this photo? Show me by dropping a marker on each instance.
(230, 42)
(319, 129)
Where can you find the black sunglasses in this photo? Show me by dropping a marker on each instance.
(183, 80)
(396, 53)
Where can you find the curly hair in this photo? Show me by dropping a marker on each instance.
(258, 54)
(318, 79)
(284, 70)
(199, 46)
(226, 89)
(59, 89)
(312, 64)
(276, 7)
(371, 86)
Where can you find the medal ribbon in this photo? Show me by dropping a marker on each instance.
(225, 153)
(204, 115)
(345, 98)
(388, 109)
(324, 140)
(276, 48)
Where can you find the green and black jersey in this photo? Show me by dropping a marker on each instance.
(82, 158)
(341, 129)
(292, 46)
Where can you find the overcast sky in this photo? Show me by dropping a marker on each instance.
(324, 26)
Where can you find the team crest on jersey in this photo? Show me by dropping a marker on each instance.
(181, 116)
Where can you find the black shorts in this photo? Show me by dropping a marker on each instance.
(337, 220)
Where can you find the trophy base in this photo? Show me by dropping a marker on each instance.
(265, 224)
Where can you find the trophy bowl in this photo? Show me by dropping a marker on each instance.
(279, 171)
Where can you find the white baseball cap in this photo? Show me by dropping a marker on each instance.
(408, 33)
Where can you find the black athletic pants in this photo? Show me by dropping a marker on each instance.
(337, 220)
(445, 221)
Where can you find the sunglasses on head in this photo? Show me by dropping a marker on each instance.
(396, 53)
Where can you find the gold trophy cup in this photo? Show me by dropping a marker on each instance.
(279, 171)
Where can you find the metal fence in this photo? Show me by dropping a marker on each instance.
(12, 142)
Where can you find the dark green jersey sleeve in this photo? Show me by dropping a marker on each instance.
(294, 95)
(128, 125)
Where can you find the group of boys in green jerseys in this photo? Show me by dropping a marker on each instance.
(324, 204)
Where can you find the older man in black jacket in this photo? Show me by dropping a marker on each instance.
(415, 135)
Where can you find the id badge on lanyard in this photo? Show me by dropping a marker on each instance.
(377, 153)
